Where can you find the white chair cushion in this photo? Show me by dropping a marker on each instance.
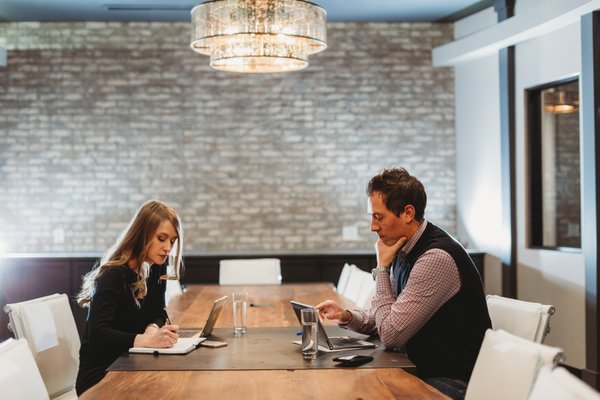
(54, 345)
(507, 366)
(367, 291)
(526, 319)
(355, 281)
(560, 384)
(343, 280)
(20, 378)
(173, 290)
(257, 271)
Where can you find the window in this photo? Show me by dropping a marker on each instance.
(554, 169)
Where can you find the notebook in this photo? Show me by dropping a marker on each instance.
(189, 339)
(332, 343)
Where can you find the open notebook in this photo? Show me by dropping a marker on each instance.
(332, 343)
(189, 339)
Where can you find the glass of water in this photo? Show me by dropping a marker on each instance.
(240, 304)
(310, 343)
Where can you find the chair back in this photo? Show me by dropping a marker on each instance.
(48, 325)
(367, 291)
(507, 366)
(526, 319)
(173, 290)
(559, 384)
(343, 280)
(257, 271)
(20, 378)
(355, 281)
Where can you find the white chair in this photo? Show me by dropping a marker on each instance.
(367, 291)
(48, 325)
(560, 384)
(174, 288)
(257, 271)
(343, 280)
(20, 378)
(355, 281)
(522, 318)
(507, 366)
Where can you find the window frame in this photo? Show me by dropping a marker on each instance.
(533, 113)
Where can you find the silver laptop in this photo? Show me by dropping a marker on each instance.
(210, 321)
(332, 342)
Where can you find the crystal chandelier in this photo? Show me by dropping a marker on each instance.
(258, 36)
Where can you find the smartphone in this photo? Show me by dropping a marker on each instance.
(352, 360)
(212, 343)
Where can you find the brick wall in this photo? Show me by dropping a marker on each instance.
(567, 180)
(96, 118)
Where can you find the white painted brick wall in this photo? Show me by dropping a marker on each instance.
(96, 118)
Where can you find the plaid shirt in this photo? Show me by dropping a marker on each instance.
(433, 281)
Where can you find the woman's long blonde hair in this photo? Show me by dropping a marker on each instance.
(133, 244)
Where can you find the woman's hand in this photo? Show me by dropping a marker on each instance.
(163, 337)
(330, 310)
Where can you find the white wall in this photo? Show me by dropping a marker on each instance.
(477, 124)
(549, 277)
(479, 207)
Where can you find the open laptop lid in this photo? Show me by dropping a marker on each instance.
(322, 334)
(213, 316)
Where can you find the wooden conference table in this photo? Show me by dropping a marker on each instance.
(212, 376)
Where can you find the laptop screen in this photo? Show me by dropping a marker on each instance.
(213, 316)
(322, 334)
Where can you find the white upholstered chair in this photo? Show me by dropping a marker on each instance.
(367, 291)
(559, 384)
(343, 280)
(48, 325)
(526, 319)
(355, 281)
(174, 287)
(257, 271)
(507, 366)
(20, 378)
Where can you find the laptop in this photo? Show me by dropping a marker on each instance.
(210, 322)
(332, 343)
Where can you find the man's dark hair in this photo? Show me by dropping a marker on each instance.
(399, 188)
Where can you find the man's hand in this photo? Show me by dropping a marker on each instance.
(330, 310)
(386, 253)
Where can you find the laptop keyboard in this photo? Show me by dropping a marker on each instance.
(187, 333)
(341, 341)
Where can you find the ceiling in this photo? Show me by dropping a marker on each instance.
(179, 10)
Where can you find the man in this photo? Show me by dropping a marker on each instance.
(429, 295)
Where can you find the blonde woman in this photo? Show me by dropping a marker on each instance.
(125, 292)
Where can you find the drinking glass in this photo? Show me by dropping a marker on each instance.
(240, 303)
(310, 343)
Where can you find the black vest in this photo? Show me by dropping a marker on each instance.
(448, 344)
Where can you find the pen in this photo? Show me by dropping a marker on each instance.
(261, 305)
(167, 321)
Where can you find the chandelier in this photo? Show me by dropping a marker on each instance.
(258, 36)
(561, 102)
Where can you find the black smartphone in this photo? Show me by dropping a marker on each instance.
(352, 360)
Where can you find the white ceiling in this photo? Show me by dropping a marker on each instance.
(179, 10)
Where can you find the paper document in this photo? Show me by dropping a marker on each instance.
(183, 346)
